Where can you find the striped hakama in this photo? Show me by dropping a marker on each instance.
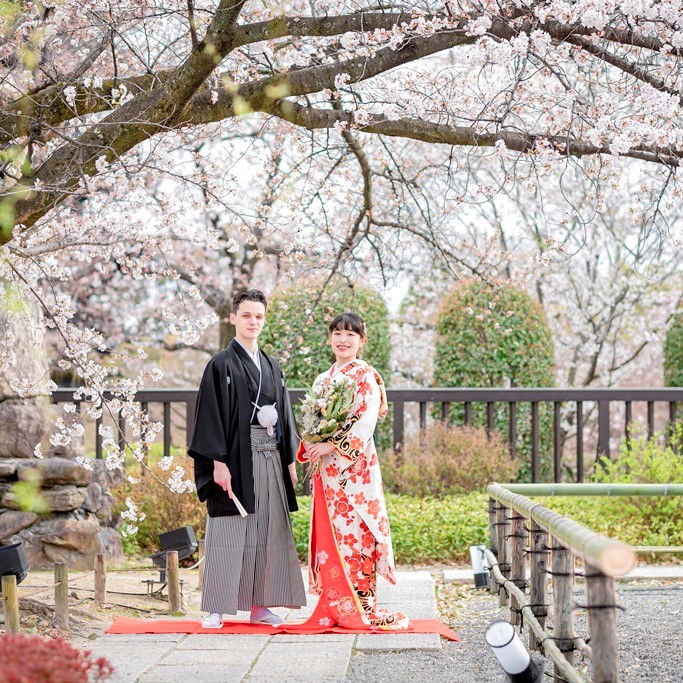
(252, 560)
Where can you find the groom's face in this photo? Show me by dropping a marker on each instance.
(249, 319)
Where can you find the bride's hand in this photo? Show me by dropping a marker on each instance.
(318, 450)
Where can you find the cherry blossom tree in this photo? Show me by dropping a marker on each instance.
(115, 120)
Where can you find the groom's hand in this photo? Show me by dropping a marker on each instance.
(292, 474)
(221, 475)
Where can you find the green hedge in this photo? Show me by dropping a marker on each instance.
(673, 352)
(497, 337)
(428, 530)
(297, 335)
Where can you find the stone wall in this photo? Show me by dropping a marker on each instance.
(75, 524)
(71, 528)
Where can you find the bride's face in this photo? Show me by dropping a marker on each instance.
(345, 344)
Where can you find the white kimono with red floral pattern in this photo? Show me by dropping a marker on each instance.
(352, 486)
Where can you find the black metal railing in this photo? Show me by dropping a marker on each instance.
(591, 410)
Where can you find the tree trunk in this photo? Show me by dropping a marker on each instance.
(226, 330)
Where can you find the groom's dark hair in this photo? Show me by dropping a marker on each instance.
(248, 295)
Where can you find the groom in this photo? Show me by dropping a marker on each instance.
(243, 447)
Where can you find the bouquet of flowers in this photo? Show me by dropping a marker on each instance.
(325, 408)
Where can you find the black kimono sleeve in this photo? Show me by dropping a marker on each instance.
(290, 434)
(209, 440)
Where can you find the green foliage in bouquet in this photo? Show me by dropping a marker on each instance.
(324, 410)
(497, 337)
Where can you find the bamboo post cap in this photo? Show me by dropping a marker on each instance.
(613, 558)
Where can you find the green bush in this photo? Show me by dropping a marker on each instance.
(296, 334)
(673, 352)
(636, 521)
(644, 461)
(647, 461)
(422, 529)
(164, 509)
(442, 529)
(497, 337)
(444, 460)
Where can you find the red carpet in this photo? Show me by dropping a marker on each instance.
(128, 625)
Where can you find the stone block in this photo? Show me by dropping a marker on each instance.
(111, 546)
(323, 661)
(55, 472)
(22, 426)
(130, 662)
(93, 498)
(59, 499)
(390, 642)
(105, 477)
(229, 658)
(8, 468)
(207, 641)
(13, 521)
(232, 673)
(458, 576)
(72, 534)
(133, 638)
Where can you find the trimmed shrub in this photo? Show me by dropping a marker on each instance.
(422, 529)
(44, 660)
(296, 334)
(497, 337)
(445, 460)
(673, 352)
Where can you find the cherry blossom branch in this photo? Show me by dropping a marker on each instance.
(427, 131)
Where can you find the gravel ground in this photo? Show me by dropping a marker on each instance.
(650, 644)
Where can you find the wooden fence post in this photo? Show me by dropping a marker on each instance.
(200, 546)
(100, 579)
(563, 601)
(538, 593)
(61, 596)
(502, 525)
(518, 537)
(602, 623)
(173, 579)
(11, 604)
(493, 539)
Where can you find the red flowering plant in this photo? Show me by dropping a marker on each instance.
(33, 659)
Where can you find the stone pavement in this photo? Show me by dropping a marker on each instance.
(200, 658)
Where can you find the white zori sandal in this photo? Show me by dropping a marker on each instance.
(214, 620)
(262, 615)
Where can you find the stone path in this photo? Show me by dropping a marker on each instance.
(198, 658)
(649, 646)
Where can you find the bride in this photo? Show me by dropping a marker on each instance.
(350, 541)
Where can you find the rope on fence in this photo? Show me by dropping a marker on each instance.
(562, 665)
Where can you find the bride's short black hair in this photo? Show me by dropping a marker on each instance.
(348, 321)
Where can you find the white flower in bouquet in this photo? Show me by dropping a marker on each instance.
(325, 408)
